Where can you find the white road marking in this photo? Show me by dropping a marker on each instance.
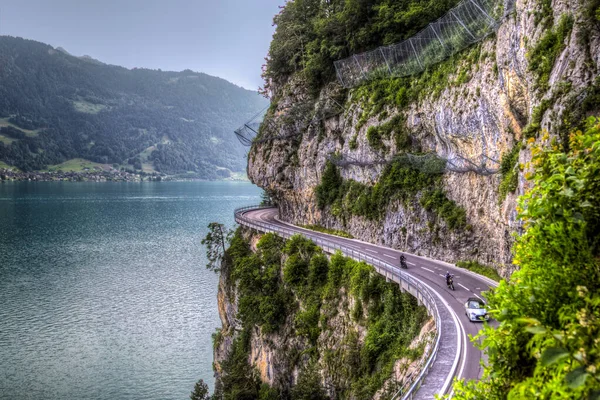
(372, 251)
(443, 276)
(478, 297)
(427, 269)
(464, 287)
(478, 288)
(387, 255)
(413, 264)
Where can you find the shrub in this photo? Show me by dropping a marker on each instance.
(548, 48)
(327, 191)
(509, 173)
(546, 344)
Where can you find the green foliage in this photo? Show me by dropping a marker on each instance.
(312, 34)
(543, 14)
(509, 172)
(436, 201)
(327, 191)
(200, 391)
(547, 49)
(216, 241)
(174, 122)
(309, 385)
(374, 138)
(263, 301)
(239, 380)
(336, 232)
(392, 319)
(399, 181)
(546, 345)
(480, 269)
(374, 96)
(353, 144)
(532, 129)
(376, 134)
(268, 393)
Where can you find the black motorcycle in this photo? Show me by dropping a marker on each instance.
(403, 264)
(450, 283)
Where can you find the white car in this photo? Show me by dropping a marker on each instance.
(475, 310)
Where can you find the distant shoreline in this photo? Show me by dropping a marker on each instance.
(9, 175)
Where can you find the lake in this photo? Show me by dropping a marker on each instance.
(103, 288)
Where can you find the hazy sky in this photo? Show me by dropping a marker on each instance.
(225, 38)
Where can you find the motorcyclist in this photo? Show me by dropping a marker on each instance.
(448, 276)
(402, 259)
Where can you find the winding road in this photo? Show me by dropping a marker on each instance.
(456, 356)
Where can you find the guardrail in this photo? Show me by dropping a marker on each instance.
(391, 272)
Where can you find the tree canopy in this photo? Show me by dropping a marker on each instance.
(312, 34)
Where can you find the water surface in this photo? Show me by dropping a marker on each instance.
(103, 289)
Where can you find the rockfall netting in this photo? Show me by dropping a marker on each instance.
(467, 23)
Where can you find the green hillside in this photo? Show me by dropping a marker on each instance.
(55, 107)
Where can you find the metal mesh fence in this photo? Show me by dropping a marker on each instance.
(428, 163)
(300, 115)
(247, 132)
(467, 23)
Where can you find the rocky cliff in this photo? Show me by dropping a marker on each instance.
(475, 111)
(297, 325)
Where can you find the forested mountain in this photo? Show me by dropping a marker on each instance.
(55, 107)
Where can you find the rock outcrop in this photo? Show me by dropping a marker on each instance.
(478, 118)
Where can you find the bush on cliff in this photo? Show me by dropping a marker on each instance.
(399, 181)
(308, 291)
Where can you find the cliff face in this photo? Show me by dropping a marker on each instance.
(492, 102)
(346, 334)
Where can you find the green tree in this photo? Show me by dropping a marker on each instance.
(216, 241)
(200, 391)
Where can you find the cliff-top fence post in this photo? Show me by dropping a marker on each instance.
(415, 51)
(386, 61)
(359, 67)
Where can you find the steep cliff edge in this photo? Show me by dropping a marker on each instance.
(297, 324)
(481, 110)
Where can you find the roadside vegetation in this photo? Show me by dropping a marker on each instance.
(480, 269)
(292, 289)
(546, 345)
(322, 229)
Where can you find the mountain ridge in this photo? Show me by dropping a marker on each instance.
(151, 120)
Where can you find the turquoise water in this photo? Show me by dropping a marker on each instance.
(103, 289)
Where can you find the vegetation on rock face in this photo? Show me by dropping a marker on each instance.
(374, 96)
(546, 345)
(293, 290)
(399, 181)
(509, 172)
(543, 55)
(67, 107)
(312, 34)
(322, 229)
